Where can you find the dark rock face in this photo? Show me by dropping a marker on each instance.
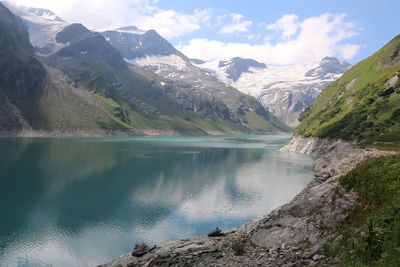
(328, 66)
(215, 110)
(237, 66)
(21, 74)
(88, 59)
(137, 45)
(386, 93)
(71, 32)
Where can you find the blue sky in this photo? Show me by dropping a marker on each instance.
(378, 20)
(275, 32)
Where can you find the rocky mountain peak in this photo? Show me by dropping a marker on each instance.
(133, 43)
(236, 66)
(42, 24)
(70, 32)
(328, 67)
(46, 14)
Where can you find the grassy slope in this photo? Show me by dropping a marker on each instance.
(371, 236)
(135, 103)
(350, 108)
(62, 108)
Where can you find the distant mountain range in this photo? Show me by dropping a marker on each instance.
(195, 89)
(286, 91)
(73, 80)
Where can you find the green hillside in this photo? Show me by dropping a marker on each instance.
(363, 106)
(371, 236)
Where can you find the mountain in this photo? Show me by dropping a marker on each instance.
(42, 24)
(193, 88)
(235, 67)
(22, 75)
(133, 43)
(362, 106)
(328, 68)
(285, 91)
(85, 86)
(36, 97)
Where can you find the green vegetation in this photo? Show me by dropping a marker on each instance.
(371, 236)
(262, 124)
(363, 107)
(351, 109)
(238, 248)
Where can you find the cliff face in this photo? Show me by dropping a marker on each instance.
(296, 233)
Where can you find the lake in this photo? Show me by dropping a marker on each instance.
(85, 201)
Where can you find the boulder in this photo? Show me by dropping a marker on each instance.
(386, 93)
(141, 249)
(216, 233)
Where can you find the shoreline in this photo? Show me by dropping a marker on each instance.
(121, 133)
(295, 233)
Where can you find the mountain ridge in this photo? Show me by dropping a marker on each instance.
(284, 90)
(88, 86)
(361, 106)
(184, 81)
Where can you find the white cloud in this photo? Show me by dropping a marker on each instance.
(348, 51)
(170, 23)
(315, 38)
(106, 14)
(288, 25)
(254, 37)
(237, 24)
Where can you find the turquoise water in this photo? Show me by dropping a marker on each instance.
(84, 201)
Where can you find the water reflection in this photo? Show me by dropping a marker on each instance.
(83, 201)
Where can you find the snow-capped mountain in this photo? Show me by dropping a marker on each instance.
(285, 91)
(43, 24)
(235, 67)
(133, 43)
(133, 78)
(193, 87)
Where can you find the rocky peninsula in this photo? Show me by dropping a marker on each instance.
(294, 234)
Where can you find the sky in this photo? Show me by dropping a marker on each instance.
(279, 32)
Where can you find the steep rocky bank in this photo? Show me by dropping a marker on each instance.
(294, 234)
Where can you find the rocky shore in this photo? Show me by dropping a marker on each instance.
(294, 234)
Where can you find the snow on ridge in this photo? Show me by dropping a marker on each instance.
(257, 79)
(135, 32)
(172, 60)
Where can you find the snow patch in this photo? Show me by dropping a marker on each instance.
(135, 32)
(172, 60)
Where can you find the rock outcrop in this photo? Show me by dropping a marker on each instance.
(292, 235)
